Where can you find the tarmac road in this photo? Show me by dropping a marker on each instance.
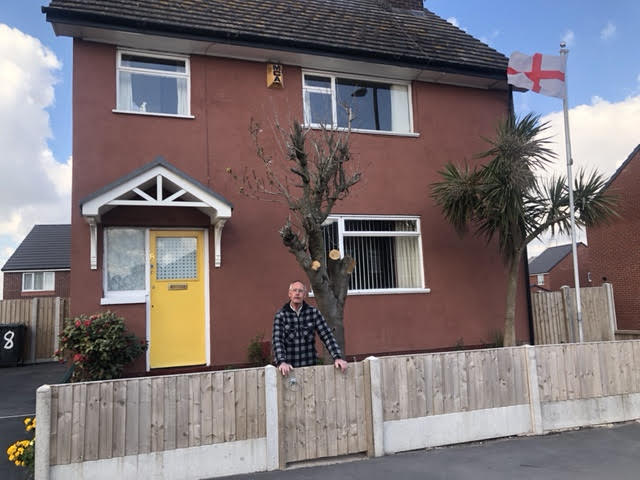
(609, 453)
(18, 401)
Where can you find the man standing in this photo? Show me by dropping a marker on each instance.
(294, 328)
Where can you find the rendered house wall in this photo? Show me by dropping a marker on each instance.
(467, 279)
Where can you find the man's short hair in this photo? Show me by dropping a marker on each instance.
(297, 281)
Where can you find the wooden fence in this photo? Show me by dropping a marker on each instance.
(554, 315)
(43, 317)
(221, 423)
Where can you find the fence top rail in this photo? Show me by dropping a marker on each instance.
(549, 345)
(152, 377)
(449, 352)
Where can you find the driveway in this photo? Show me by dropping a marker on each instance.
(589, 454)
(18, 400)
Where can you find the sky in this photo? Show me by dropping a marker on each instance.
(603, 77)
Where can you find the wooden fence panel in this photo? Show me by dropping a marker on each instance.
(97, 420)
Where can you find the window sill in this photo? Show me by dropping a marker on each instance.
(388, 291)
(124, 299)
(152, 114)
(372, 132)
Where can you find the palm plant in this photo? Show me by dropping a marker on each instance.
(504, 198)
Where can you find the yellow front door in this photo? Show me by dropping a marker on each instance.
(177, 319)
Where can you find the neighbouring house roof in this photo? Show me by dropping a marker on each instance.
(548, 259)
(636, 151)
(46, 247)
(369, 30)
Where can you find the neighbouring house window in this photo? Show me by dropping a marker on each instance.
(387, 251)
(150, 83)
(38, 281)
(125, 272)
(335, 101)
(540, 279)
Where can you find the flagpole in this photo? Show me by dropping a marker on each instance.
(576, 275)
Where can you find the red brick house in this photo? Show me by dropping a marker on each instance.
(553, 268)
(614, 251)
(40, 265)
(163, 95)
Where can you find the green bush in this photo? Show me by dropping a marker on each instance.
(259, 351)
(98, 346)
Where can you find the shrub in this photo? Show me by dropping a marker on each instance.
(259, 351)
(98, 346)
(23, 452)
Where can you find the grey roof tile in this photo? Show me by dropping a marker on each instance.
(45, 247)
(548, 259)
(358, 28)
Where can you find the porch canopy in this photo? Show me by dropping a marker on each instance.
(157, 184)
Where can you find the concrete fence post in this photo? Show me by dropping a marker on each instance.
(56, 325)
(43, 432)
(611, 306)
(272, 417)
(534, 392)
(377, 418)
(569, 315)
(33, 321)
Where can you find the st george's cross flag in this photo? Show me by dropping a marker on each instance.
(541, 73)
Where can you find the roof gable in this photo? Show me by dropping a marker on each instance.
(46, 247)
(368, 30)
(549, 258)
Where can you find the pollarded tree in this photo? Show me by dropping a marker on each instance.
(312, 173)
(504, 198)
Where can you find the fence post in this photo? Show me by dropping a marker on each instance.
(43, 432)
(534, 392)
(376, 443)
(567, 303)
(56, 326)
(272, 404)
(34, 327)
(611, 306)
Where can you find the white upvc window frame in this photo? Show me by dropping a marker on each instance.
(334, 106)
(540, 279)
(340, 220)
(48, 280)
(118, 297)
(150, 54)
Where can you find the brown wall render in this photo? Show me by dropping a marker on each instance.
(13, 286)
(467, 279)
(614, 250)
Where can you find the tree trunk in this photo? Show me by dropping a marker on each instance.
(510, 313)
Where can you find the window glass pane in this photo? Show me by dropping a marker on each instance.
(369, 104)
(49, 280)
(380, 225)
(161, 64)
(37, 281)
(125, 259)
(151, 93)
(375, 262)
(27, 281)
(318, 108)
(176, 258)
(314, 81)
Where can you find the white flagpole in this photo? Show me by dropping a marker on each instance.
(576, 275)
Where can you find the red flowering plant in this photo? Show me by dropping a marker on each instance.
(98, 346)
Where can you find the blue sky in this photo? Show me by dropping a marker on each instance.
(603, 75)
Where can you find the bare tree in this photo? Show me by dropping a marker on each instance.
(311, 173)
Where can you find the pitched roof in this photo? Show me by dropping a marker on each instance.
(636, 151)
(361, 29)
(46, 247)
(548, 259)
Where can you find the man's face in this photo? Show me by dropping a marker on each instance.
(296, 293)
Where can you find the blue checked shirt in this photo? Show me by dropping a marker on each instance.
(294, 336)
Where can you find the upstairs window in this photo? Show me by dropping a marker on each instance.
(38, 281)
(152, 84)
(540, 279)
(368, 105)
(387, 251)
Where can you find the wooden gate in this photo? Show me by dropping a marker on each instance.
(325, 413)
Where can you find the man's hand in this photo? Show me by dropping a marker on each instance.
(285, 368)
(341, 364)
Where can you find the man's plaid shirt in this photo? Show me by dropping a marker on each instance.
(294, 336)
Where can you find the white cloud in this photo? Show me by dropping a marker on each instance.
(603, 134)
(608, 31)
(569, 38)
(34, 187)
(453, 21)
